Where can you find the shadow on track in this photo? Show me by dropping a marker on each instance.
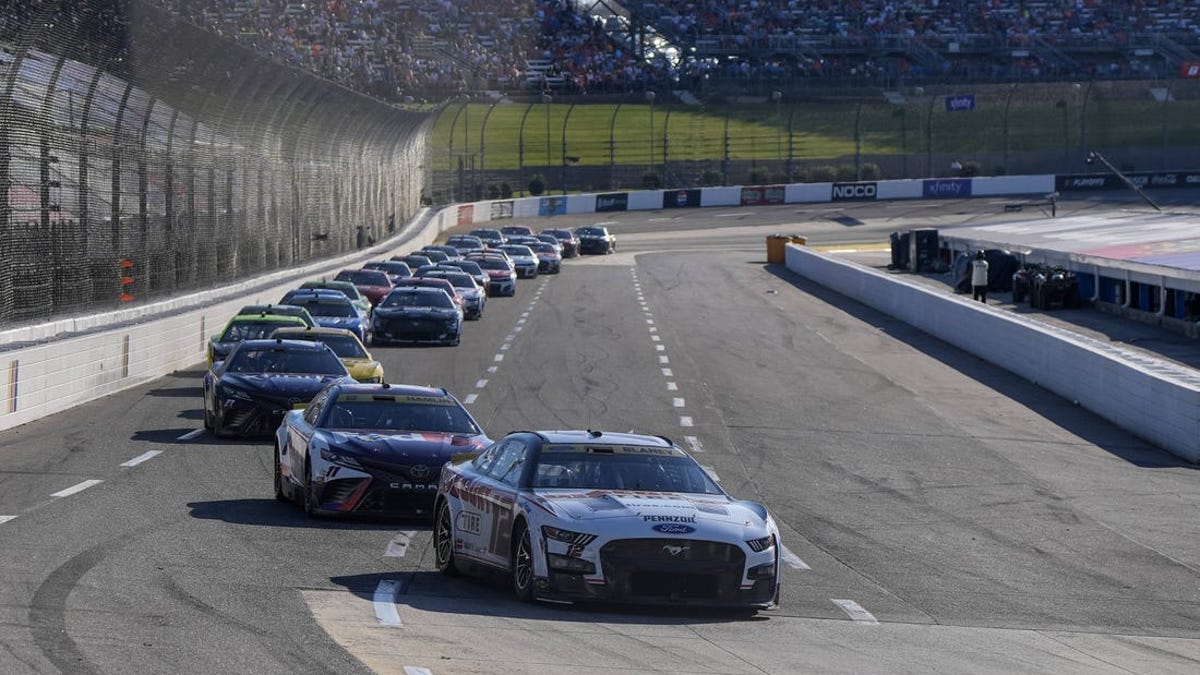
(270, 513)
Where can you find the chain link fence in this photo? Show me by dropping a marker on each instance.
(142, 157)
(578, 143)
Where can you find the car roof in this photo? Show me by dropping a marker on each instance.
(270, 318)
(267, 343)
(317, 293)
(312, 330)
(326, 284)
(392, 389)
(594, 437)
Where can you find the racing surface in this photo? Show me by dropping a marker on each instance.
(939, 514)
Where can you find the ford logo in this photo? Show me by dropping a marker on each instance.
(674, 528)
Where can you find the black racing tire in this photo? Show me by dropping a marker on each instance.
(311, 505)
(443, 540)
(208, 416)
(219, 429)
(280, 494)
(521, 563)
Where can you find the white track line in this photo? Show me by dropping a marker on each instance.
(667, 372)
(385, 604)
(696, 447)
(671, 386)
(151, 454)
(518, 329)
(856, 612)
(74, 489)
(677, 402)
(190, 435)
(498, 358)
(471, 398)
(660, 348)
(655, 338)
(686, 421)
(520, 321)
(663, 359)
(650, 322)
(653, 330)
(492, 369)
(398, 546)
(5, 519)
(480, 384)
(417, 670)
(505, 347)
(791, 559)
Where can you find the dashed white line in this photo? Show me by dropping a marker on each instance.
(791, 559)
(686, 421)
(151, 454)
(671, 386)
(510, 337)
(695, 444)
(5, 519)
(856, 612)
(74, 489)
(520, 321)
(190, 435)
(518, 329)
(505, 347)
(677, 402)
(667, 372)
(417, 670)
(385, 603)
(653, 329)
(649, 322)
(471, 398)
(660, 348)
(498, 358)
(655, 338)
(663, 359)
(524, 315)
(492, 369)
(480, 384)
(398, 546)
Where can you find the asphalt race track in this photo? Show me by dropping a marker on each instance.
(940, 515)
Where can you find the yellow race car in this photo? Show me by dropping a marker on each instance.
(345, 344)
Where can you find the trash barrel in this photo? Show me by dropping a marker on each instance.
(776, 251)
(797, 239)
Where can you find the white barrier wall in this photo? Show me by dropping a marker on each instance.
(1151, 399)
(44, 379)
(721, 196)
(1011, 185)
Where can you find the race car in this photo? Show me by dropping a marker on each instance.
(247, 393)
(362, 366)
(377, 449)
(591, 515)
(375, 284)
(595, 239)
(525, 261)
(502, 277)
(247, 326)
(331, 309)
(549, 257)
(417, 314)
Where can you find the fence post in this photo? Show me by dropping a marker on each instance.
(563, 180)
(612, 148)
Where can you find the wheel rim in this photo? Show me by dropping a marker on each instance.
(522, 569)
(444, 536)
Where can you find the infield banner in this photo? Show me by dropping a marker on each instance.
(466, 214)
(502, 209)
(680, 199)
(1078, 182)
(612, 201)
(946, 188)
(552, 206)
(757, 195)
(847, 192)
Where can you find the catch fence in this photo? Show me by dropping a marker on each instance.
(142, 157)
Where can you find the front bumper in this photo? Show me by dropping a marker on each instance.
(594, 246)
(256, 417)
(527, 270)
(391, 491)
(502, 286)
(549, 266)
(405, 330)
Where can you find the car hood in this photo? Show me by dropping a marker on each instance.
(503, 274)
(431, 448)
(650, 508)
(413, 312)
(279, 384)
(337, 321)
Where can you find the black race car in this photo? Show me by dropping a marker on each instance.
(416, 314)
(248, 393)
(371, 448)
(595, 239)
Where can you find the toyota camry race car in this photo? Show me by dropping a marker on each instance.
(371, 448)
(586, 515)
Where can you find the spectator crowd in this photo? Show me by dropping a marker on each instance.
(414, 49)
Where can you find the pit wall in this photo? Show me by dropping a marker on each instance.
(1154, 400)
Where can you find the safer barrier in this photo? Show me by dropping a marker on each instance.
(1151, 399)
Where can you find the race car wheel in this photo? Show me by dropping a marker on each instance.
(443, 540)
(311, 505)
(522, 564)
(279, 493)
(219, 425)
(208, 420)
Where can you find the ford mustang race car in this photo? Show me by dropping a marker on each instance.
(247, 393)
(371, 448)
(586, 515)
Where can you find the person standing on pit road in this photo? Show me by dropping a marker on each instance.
(979, 277)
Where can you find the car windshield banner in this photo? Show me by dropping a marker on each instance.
(612, 201)
(946, 188)
(762, 194)
(552, 206)
(846, 192)
(502, 210)
(681, 199)
(466, 214)
(1106, 181)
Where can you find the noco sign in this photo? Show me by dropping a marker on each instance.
(847, 192)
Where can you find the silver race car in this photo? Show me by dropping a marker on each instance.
(589, 515)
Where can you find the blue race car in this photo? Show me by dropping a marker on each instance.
(331, 309)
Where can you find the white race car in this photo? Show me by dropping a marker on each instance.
(586, 515)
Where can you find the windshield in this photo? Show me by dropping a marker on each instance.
(363, 277)
(250, 330)
(590, 232)
(286, 360)
(621, 471)
(345, 346)
(544, 248)
(493, 264)
(468, 267)
(517, 250)
(456, 280)
(394, 413)
(402, 299)
(345, 288)
(327, 307)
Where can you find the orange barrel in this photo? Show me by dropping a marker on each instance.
(776, 254)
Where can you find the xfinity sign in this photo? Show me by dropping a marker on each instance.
(845, 192)
(960, 103)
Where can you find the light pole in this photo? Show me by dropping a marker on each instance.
(650, 96)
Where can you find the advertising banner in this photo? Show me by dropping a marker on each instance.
(946, 188)
(612, 201)
(848, 192)
(1189, 70)
(763, 194)
(552, 206)
(502, 210)
(680, 199)
(466, 214)
(1079, 182)
(960, 103)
